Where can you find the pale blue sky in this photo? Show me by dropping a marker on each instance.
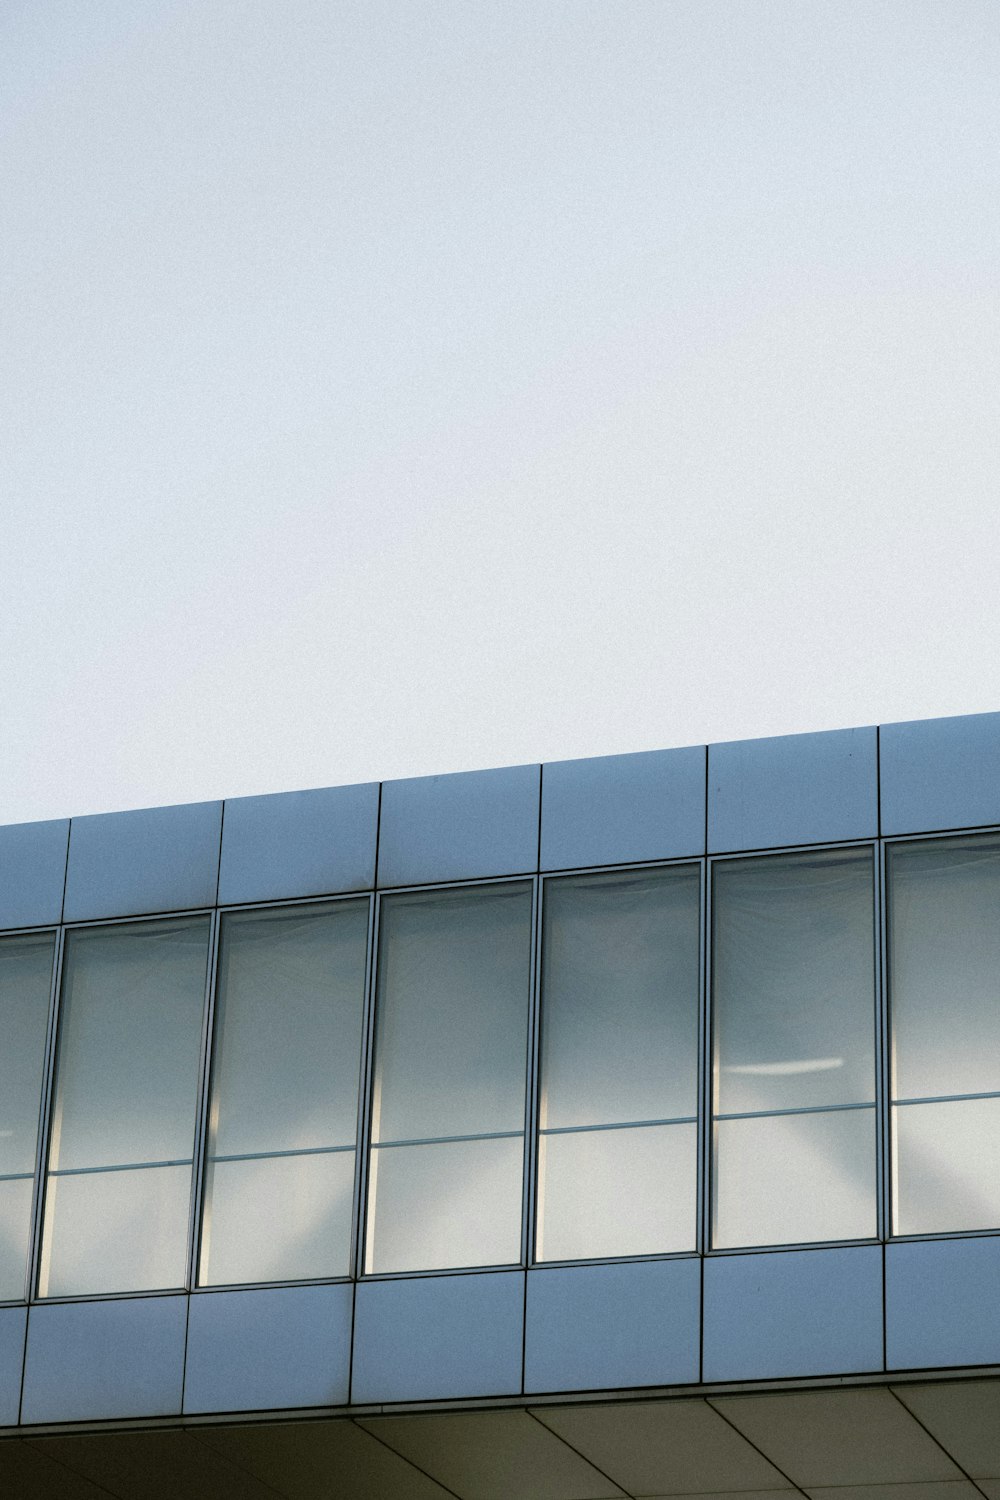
(404, 387)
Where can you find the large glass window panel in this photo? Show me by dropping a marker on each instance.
(795, 1178)
(125, 1098)
(284, 1105)
(793, 984)
(433, 1207)
(946, 1166)
(450, 1061)
(620, 998)
(25, 987)
(793, 981)
(944, 967)
(617, 1192)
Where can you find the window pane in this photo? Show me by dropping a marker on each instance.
(791, 1179)
(129, 1044)
(434, 1207)
(288, 1029)
(946, 1166)
(15, 1224)
(617, 1192)
(944, 967)
(452, 1013)
(793, 981)
(280, 1218)
(115, 1231)
(25, 983)
(620, 998)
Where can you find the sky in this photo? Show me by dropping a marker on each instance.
(399, 388)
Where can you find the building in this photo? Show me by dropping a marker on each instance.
(626, 1126)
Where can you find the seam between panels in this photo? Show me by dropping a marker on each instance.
(582, 1456)
(935, 1440)
(218, 863)
(755, 1446)
(384, 1442)
(65, 879)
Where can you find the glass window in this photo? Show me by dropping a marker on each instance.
(279, 1190)
(793, 981)
(619, 1073)
(25, 985)
(944, 1008)
(445, 1176)
(118, 1187)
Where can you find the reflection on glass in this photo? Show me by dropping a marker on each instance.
(617, 1192)
(793, 984)
(278, 1218)
(792, 1179)
(793, 981)
(619, 1045)
(944, 966)
(285, 1082)
(444, 1205)
(450, 1060)
(946, 1166)
(125, 1098)
(25, 984)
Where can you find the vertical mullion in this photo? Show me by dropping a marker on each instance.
(368, 1085)
(707, 1101)
(882, 1076)
(532, 1078)
(197, 1206)
(44, 1117)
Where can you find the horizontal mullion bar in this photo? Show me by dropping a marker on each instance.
(16, 1176)
(447, 1140)
(617, 1125)
(805, 1109)
(125, 1166)
(948, 1098)
(272, 1155)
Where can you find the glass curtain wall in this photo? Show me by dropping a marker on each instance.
(793, 981)
(944, 1008)
(25, 987)
(118, 1188)
(279, 1183)
(618, 1102)
(448, 1102)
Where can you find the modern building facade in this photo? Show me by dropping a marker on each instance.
(620, 1127)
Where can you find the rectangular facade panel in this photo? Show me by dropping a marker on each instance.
(25, 989)
(798, 1313)
(130, 863)
(95, 1361)
(268, 1350)
(13, 1324)
(293, 844)
(620, 809)
(613, 1326)
(466, 826)
(438, 1337)
(940, 773)
(941, 1303)
(32, 872)
(794, 789)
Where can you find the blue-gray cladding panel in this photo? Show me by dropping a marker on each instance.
(437, 1337)
(269, 1350)
(13, 1321)
(299, 844)
(129, 863)
(616, 809)
(459, 827)
(793, 1313)
(940, 773)
(795, 789)
(941, 1304)
(612, 1326)
(90, 1361)
(32, 873)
